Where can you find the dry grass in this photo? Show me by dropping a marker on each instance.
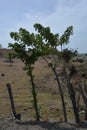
(47, 91)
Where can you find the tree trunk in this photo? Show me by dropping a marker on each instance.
(11, 99)
(78, 100)
(84, 99)
(60, 89)
(34, 95)
(71, 92)
(17, 116)
(61, 93)
(73, 99)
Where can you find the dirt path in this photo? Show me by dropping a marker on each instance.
(10, 124)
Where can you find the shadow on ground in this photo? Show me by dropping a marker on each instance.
(10, 124)
(53, 125)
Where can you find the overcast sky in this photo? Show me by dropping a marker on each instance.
(57, 14)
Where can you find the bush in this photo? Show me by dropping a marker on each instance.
(73, 70)
(80, 60)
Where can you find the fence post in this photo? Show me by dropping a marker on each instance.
(17, 116)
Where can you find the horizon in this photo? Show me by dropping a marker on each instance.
(58, 50)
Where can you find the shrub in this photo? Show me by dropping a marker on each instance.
(73, 70)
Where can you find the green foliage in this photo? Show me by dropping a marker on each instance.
(50, 39)
(67, 54)
(64, 39)
(24, 39)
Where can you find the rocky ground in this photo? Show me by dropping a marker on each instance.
(12, 124)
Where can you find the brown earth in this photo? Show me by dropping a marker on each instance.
(47, 90)
(10, 124)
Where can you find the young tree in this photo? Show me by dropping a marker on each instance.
(41, 44)
(23, 39)
(48, 46)
(44, 43)
(50, 43)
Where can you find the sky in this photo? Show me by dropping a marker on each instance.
(57, 14)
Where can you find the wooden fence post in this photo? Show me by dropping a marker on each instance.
(17, 116)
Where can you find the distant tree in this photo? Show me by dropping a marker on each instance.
(10, 57)
(0, 46)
